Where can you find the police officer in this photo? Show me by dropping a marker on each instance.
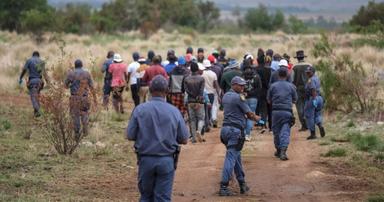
(80, 83)
(281, 95)
(299, 80)
(236, 112)
(313, 104)
(157, 128)
(36, 70)
(107, 78)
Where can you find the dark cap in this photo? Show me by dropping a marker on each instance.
(78, 63)
(150, 54)
(36, 54)
(158, 84)
(310, 69)
(238, 80)
(190, 50)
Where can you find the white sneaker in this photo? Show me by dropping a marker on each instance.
(247, 138)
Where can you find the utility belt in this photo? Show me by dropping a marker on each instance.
(292, 122)
(240, 141)
(175, 156)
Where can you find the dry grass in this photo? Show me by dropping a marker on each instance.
(15, 49)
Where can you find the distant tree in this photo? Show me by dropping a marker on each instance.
(278, 19)
(258, 18)
(75, 18)
(37, 22)
(11, 11)
(295, 25)
(209, 14)
(370, 15)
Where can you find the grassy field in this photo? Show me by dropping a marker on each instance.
(31, 170)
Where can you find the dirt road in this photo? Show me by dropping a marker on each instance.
(304, 177)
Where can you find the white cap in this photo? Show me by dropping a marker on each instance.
(249, 56)
(283, 63)
(117, 57)
(207, 63)
(201, 66)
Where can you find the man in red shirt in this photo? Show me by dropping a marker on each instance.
(119, 77)
(154, 69)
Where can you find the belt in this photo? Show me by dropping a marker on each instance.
(279, 109)
(233, 125)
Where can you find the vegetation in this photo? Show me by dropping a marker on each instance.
(369, 19)
(337, 152)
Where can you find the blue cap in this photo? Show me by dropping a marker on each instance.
(181, 60)
(238, 80)
(159, 83)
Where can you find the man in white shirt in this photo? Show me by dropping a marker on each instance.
(212, 88)
(132, 80)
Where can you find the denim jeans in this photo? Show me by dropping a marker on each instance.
(252, 103)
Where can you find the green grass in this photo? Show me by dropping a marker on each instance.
(376, 198)
(336, 152)
(366, 142)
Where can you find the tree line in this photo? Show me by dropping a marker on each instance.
(37, 17)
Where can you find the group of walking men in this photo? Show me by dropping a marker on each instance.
(196, 86)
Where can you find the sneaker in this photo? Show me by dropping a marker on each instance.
(247, 138)
(263, 131)
(224, 191)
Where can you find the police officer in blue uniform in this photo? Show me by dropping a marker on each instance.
(107, 89)
(36, 70)
(281, 95)
(157, 128)
(313, 104)
(236, 112)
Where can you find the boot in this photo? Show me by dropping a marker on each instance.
(36, 113)
(322, 131)
(277, 153)
(312, 136)
(214, 123)
(283, 154)
(303, 128)
(224, 191)
(243, 187)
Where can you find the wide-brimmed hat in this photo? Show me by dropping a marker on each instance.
(300, 54)
(238, 80)
(117, 58)
(207, 63)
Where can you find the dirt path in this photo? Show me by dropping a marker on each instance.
(304, 177)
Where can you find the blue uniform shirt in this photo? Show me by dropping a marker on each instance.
(157, 128)
(169, 67)
(34, 66)
(235, 109)
(312, 83)
(282, 94)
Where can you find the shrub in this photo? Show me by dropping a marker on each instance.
(376, 198)
(366, 142)
(336, 152)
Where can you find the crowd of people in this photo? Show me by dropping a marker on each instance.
(259, 90)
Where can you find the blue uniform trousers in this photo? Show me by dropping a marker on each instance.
(107, 89)
(79, 109)
(155, 178)
(232, 160)
(300, 103)
(252, 103)
(34, 87)
(313, 116)
(281, 128)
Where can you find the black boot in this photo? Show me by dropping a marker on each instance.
(277, 153)
(283, 154)
(224, 191)
(243, 187)
(312, 136)
(322, 131)
(36, 113)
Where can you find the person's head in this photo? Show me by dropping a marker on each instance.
(181, 60)
(310, 71)
(287, 57)
(158, 86)
(78, 63)
(300, 55)
(188, 57)
(35, 54)
(200, 53)
(269, 53)
(110, 54)
(171, 57)
(156, 60)
(276, 57)
(223, 53)
(283, 63)
(135, 56)
(189, 50)
(194, 67)
(260, 56)
(216, 54)
(283, 73)
(150, 54)
(237, 84)
(117, 58)
(141, 60)
(212, 59)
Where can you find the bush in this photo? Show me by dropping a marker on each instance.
(370, 16)
(337, 152)
(376, 198)
(366, 142)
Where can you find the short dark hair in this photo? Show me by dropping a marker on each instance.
(200, 50)
(194, 67)
(283, 72)
(156, 59)
(36, 54)
(110, 54)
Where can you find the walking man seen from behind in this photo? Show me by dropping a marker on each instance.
(107, 89)
(157, 129)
